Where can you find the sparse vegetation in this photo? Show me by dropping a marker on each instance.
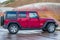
(8, 1)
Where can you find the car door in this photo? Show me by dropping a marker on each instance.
(33, 20)
(23, 19)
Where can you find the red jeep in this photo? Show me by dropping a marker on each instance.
(21, 20)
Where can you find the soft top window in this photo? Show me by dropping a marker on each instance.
(11, 14)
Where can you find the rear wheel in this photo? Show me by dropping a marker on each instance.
(13, 28)
(51, 27)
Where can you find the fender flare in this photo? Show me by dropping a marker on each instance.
(49, 21)
(14, 23)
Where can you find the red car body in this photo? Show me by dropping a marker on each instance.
(29, 22)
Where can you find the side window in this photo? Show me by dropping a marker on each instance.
(33, 15)
(22, 14)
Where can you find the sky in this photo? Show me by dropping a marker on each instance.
(2, 1)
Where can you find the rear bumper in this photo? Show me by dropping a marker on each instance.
(5, 26)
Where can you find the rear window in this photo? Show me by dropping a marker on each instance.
(11, 15)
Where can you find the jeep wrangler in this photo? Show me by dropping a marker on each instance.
(27, 20)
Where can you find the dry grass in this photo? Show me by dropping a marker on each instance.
(24, 2)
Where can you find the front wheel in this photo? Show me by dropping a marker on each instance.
(51, 27)
(13, 28)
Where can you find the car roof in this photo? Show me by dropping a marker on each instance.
(20, 11)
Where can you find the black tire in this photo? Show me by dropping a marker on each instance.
(51, 27)
(13, 28)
